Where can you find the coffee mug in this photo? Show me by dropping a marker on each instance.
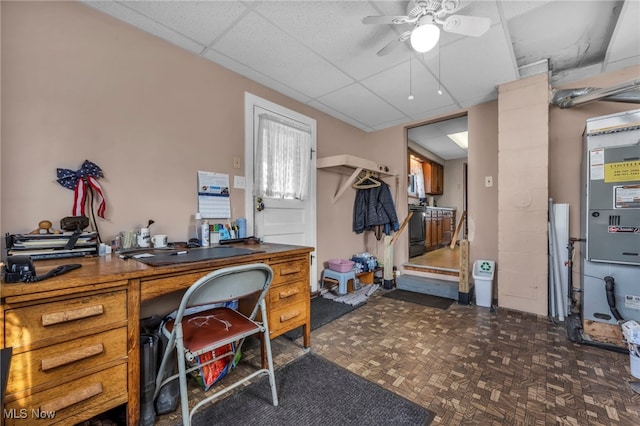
(159, 241)
(144, 237)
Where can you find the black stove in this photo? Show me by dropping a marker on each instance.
(417, 234)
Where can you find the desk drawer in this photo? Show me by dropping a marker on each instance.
(157, 287)
(52, 364)
(26, 327)
(288, 317)
(287, 293)
(294, 270)
(72, 402)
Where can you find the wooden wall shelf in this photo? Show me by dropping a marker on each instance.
(351, 166)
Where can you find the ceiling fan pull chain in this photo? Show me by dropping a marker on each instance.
(439, 75)
(410, 88)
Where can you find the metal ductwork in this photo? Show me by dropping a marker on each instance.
(626, 92)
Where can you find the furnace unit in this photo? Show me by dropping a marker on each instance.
(611, 218)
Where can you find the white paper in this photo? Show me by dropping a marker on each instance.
(596, 158)
(213, 195)
(142, 255)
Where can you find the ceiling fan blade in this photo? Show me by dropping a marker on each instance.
(473, 26)
(394, 44)
(388, 20)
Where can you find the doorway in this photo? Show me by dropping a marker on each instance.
(282, 220)
(439, 147)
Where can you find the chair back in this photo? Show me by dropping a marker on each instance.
(226, 284)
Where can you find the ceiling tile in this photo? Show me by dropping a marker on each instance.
(625, 43)
(202, 21)
(433, 137)
(124, 13)
(393, 86)
(339, 115)
(361, 104)
(573, 28)
(335, 32)
(470, 70)
(266, 49)
(255, 75)
(320, 53)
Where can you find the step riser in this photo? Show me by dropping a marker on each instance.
(448, 289)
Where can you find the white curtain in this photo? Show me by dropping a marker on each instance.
(282, 160)
(418, 177)
(420, 182)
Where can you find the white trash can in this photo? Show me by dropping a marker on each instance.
(483, 271)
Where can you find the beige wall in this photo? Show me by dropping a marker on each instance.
(523, 194)
(565, 147)
(77, 84)
(482, 211)
(453, 194)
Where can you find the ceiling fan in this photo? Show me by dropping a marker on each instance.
(425, 14)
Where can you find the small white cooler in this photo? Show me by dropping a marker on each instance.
(483, 271)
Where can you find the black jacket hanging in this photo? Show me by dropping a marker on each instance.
(374, 207)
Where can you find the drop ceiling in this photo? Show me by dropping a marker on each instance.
(321, 54)
(435, 137)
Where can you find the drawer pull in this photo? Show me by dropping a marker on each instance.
(66, 401)
(290, 271)
(74, 314)
(289, 293)
(289, 315)
(71, 357)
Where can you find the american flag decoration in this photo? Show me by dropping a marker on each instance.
(80, 181)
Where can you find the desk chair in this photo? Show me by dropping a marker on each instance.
(194, 334)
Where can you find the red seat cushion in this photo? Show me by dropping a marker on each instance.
(204, 328)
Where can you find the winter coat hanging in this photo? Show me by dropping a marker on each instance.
(82, 181)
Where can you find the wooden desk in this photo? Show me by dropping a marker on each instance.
(75, 337)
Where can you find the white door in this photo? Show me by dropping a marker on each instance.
(277, 220)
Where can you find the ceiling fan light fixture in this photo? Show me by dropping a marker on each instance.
(425, 37)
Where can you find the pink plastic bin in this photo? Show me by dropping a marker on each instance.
(340, 265)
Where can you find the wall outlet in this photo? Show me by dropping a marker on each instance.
(488, 181)
(236, 162)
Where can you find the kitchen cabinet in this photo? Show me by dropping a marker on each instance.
(448, 225)
(433, 225)
(439, 227)
(433, 178)
(428, 172)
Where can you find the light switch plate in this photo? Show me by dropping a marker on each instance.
(488, 181)
(239, 182)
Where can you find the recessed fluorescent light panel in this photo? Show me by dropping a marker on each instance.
(461, 139)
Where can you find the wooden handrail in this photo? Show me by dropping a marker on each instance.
(455, 235)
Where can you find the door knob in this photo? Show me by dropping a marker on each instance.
(259, 204)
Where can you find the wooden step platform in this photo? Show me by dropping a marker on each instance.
(432, 286)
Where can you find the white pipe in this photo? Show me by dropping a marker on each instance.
(556, 266)
(552, 288)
